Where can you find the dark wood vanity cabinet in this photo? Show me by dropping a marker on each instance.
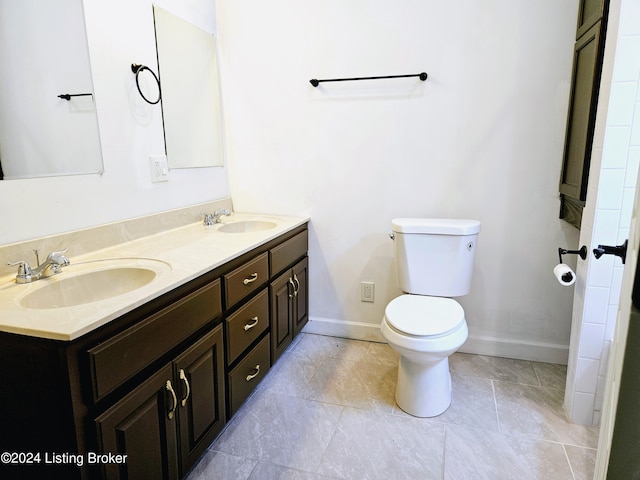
(159, 383)
(289, 305)
(251, 347)
(165, 424)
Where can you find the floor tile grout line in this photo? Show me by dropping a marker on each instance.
(495, 406)
(566, 455)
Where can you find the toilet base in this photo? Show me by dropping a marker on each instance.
(423, 389)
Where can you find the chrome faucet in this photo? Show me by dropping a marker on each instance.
(52, 265)
(213, 218)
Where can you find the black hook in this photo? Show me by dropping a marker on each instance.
(619, 251)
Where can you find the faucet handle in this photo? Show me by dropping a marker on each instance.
(208, 219)
(24, 271)
(58, 257)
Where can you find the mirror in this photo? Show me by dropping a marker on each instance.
(190, 92)
(48, 121)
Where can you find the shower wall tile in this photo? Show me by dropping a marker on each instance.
(587, 375)
(621, 103)
(611, 189)
(591, 347)
(616, 144)
(596, 305)
(582, 408)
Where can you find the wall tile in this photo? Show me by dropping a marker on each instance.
(592, 340)
(616, 146)
(596, 305)
(612, 316)
(627, 63)
(606, 226)
(616, 283)
(621, 103)
(610, 189)
(633, 160)
(582, 408)
(635, 128)
(587, 375)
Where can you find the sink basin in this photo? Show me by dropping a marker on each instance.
(95, 281)
(244, 226)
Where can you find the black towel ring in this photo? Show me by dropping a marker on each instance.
(135, 68)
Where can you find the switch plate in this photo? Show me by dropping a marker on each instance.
(367, 291)
(159, 168)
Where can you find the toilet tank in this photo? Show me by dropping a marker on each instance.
(434, 256)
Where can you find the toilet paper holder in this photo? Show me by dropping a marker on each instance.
(582, 252)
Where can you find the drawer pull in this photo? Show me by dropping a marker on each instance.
(253, 375)
(250, 279)
(183, 377)
(249, 326)
(297, 285)
(293, 285)
(172, 410)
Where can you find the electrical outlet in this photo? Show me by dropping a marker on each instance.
(367, 291)
(159, 168)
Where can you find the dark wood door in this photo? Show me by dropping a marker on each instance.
(199, 377)
(281, 291)
(301, 297)
(587, 65)
(142, 426)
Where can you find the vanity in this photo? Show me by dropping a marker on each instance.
(138, 384)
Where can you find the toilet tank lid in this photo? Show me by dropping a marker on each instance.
(436, 226)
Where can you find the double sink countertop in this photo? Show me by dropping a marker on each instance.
(164, 261)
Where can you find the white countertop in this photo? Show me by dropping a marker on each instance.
(181, 255)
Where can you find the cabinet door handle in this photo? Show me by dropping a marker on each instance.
(249, 326)
(250, 279)
(251, 376)
(172, 410)
(183, 377)
(297, 285)
(293, 285)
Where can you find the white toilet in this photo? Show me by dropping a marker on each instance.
(434, 259)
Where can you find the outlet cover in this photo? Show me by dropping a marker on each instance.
(159, 168)
(367, 291)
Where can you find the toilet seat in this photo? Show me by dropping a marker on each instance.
(424, 316)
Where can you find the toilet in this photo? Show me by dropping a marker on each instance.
(434, 260)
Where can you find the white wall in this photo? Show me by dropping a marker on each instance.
(120, 32)
(481, 138)
(607, 215)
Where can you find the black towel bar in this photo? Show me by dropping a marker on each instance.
(67, 96)
(315, 82)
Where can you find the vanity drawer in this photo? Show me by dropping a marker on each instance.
(122, 356)
(246, 325)
(288, 252)
(246, 279)
(245, 377)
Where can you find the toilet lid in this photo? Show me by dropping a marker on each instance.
(424, 316)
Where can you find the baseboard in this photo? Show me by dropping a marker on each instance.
(520, 349)
(477, 344)
(344, 329)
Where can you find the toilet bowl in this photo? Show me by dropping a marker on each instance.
(424, 331)
(434, 260)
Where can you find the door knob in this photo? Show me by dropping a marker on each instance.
(619, 251)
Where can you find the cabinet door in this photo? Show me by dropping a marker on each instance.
(589, 12)
(281, 291)
(142, 426)
(301, 297)
(199, 377)
(582, 115)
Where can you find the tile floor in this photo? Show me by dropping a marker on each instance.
(326, 411)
